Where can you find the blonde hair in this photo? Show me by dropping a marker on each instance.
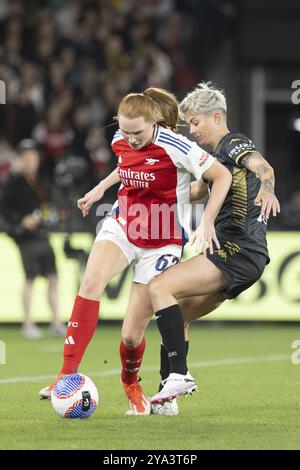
(203, 100)
(136, 105)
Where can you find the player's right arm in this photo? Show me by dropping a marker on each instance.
(86, 202)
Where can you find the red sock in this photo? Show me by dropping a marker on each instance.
(131, 359)
(81, 328)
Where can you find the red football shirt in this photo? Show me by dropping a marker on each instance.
(153, 205)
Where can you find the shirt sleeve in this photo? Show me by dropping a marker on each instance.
(196, 161)
(116, 138)
(238, 147)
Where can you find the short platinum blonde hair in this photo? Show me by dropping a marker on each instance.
(203, 100)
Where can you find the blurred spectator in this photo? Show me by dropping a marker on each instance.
(66, 65)
(160, 68)
(30, 82)
(290, 212)
(23, 202)
(55, 136)
(81, 124)
(66, 17)
(99, 152)
(12, 49)
(56, 84)
(23, 114)
(68, 58)
(7, 160)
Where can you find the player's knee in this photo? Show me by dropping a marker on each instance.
(184, 304)
(91, 288)
(130, 340)
(188, 309)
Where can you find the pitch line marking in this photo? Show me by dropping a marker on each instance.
(208, 363)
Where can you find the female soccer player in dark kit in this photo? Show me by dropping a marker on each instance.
(241, 227)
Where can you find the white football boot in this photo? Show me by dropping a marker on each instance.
(168, 408)
(175, 386)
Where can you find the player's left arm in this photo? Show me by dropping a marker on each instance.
(266, 198)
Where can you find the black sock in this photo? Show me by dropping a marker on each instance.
(165, 364)
(187, 344)
(171, 327)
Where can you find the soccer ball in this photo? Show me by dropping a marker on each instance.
(74, 396)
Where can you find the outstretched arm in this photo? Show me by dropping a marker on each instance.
(86, 202)
(266, 198)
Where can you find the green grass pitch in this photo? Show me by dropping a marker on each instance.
(248, 393)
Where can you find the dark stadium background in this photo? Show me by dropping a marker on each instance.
(66, 64)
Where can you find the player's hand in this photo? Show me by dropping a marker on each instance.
(31, 221)
(86, 202)
(268, 202)
(204, 238)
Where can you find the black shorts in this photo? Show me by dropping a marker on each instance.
(240, 266)
(37, 257)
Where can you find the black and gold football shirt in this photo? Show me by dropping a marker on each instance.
(239, 219)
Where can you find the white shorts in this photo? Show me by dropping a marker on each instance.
(148, 263)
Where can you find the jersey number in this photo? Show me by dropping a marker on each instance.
(165, 262)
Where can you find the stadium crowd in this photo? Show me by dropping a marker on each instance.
(66, 64)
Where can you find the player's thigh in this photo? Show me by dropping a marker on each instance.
(105, 261)
(196, 276)
(198, 306)
(138, 314)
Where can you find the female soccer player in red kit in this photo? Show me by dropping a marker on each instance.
(154, 166)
